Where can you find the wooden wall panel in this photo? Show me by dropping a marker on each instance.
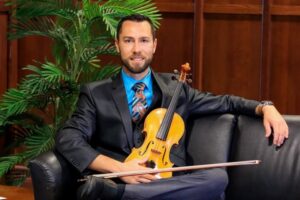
(175, 36)
(241, 2)
(286, 2)
(8, 52)
(3, 58)
(3, 52)
(32, 50)
(175, 46)
(241, 47)
(282, 71)
(231, 61)
(232, 6)
(285, 64)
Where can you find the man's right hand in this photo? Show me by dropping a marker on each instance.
(106, 164)
(135, 165)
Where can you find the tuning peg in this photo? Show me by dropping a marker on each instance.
(174, 78)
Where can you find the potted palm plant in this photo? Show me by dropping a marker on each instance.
(46, 97)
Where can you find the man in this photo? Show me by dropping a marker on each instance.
(107, 123)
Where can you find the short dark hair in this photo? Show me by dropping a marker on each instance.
(136, 18)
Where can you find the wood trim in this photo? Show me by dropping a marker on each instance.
(12, 61)
(4, 53)
(3, 8)
(198, 44)
(12, 56)
(175, 7)
(251, 9)
(265, 51)
(13, 70)
(285, 10)
(233, 9)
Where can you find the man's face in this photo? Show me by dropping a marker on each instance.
(136, 46)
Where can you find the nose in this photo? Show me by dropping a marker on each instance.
(136, 47)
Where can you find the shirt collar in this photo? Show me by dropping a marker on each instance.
(129, 81)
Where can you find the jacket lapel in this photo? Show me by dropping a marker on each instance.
(166, 93)
(120, 100)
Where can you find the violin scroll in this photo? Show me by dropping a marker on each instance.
(184, 74)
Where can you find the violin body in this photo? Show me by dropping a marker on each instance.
(154, 149)
(163, 128)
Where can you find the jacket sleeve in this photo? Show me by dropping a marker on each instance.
(73, 139)
(207, 103)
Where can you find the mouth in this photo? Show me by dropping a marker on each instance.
(137, 58)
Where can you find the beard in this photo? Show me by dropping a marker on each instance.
(136, 69)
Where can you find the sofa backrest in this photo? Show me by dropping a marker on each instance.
(278, 175)
(209, 139)
(222, 138)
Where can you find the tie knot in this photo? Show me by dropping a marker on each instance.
(140, 86)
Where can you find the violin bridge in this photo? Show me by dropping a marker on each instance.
(155, 151)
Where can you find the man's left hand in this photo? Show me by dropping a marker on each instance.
(274, 123)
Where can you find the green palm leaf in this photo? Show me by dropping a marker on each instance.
(90, 53)
(112, 11)
(49, 76)
(27, 9)
(107, 71)
(41, 140)
(14, 102)
(40, 135)
(47, 96)
(44, 26)
(8, 162)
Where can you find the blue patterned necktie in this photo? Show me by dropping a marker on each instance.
(139, 104)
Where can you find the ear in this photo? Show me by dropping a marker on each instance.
(154, 45)
(117, 45)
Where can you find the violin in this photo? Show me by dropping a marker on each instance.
(163, 128)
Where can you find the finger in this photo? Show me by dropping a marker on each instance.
(136, 180)
(280, 140)
(267, 129)
(276, 140)
(282, 133)
(143, 161)
(276, 134)
(150, 177)
(144, 180)
(130, 180)
(286, 132)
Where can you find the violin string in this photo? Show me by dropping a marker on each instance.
(168, 117)
(167, 120)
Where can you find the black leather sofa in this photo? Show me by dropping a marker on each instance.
(213, 139)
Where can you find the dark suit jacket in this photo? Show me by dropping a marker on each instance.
(102, 124)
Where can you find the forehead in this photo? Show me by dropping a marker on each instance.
(136, 29)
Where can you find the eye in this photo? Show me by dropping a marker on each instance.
(145, 40)
(127, 40)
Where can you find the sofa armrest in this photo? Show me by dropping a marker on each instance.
(278, 175)
(53, 178)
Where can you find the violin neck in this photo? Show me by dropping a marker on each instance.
(166, 123)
